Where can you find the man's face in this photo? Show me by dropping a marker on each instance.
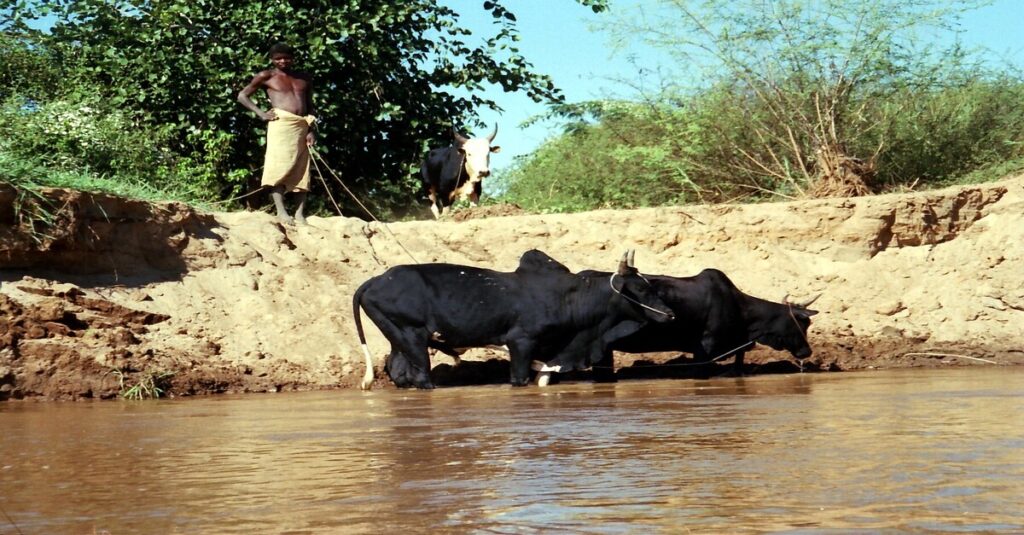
(282, 61)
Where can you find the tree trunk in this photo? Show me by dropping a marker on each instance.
(840, 175)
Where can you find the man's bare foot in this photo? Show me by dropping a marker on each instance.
(300, 220)
(286, 219)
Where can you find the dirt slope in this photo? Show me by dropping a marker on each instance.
(235, 302)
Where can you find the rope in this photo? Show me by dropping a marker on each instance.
(687, 364)
(320, 175)
(634, 301)
(316, 156)
(11, 521)
(254, 192)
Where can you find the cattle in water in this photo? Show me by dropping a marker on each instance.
(713, 320)
(457, 172)
(540, 312)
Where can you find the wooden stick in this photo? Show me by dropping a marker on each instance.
(949, 355)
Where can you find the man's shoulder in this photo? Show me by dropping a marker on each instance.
(264, 74)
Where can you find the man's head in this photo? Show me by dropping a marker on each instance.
(281, 55)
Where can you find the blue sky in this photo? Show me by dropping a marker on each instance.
(557, 38)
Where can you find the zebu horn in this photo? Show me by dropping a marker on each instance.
(805, 304)
(459, 137)
(629, 261)
(624, 263)
(808, 302)
(493, 133)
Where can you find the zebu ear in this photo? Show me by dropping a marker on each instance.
(496, 148)
(624, 264)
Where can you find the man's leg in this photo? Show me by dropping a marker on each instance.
(277, 193)
(300, 218)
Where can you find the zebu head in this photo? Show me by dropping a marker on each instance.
(476, 153)
(787, 329)
(629, 284)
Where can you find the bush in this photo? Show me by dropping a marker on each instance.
(637, 155)
(82, 134)
(703, 148)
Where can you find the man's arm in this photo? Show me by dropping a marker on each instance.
(244, 96)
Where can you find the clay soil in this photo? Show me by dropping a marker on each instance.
(112, 291)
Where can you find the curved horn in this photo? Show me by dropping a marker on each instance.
(808, 302)
(629, 261)
(490, 138)
(804, 304)
(624, 264)
(459, 137)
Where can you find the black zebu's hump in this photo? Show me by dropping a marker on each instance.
(535, 260)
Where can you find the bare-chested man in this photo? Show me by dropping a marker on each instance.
(286, 166)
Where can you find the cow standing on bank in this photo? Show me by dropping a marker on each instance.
(541, 312)
(457, 172)
(713, 320)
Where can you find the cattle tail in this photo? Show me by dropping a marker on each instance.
(367, 382)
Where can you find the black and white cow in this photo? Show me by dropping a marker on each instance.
(714, 319)
(540, 312)
(455, 172)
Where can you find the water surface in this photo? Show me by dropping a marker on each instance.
(906, 450)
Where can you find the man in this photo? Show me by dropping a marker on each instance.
(286, 166)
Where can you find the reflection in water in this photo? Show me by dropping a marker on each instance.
(914, 450)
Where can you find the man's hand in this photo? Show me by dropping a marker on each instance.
(269, 116)
(310, 139)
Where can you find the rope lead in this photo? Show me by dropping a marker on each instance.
(316, 156)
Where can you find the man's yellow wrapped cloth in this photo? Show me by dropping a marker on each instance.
(287, 160)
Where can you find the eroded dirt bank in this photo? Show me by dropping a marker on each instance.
(233, 302)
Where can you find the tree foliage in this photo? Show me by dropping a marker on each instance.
(794, 98)
(386, 76)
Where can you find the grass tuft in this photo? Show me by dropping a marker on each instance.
(150, 385)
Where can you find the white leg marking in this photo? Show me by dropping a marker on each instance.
(543, 372)
(368, 374)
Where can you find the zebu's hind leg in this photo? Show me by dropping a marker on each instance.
(398, 369)
(409, 346)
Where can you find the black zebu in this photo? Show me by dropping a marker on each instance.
(451, 173)
(540, 313)
(713, 320)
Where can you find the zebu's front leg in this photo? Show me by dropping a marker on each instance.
(520, 350)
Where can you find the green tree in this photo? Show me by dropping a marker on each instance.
(386, 74)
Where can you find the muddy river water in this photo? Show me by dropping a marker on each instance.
(908, 450)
